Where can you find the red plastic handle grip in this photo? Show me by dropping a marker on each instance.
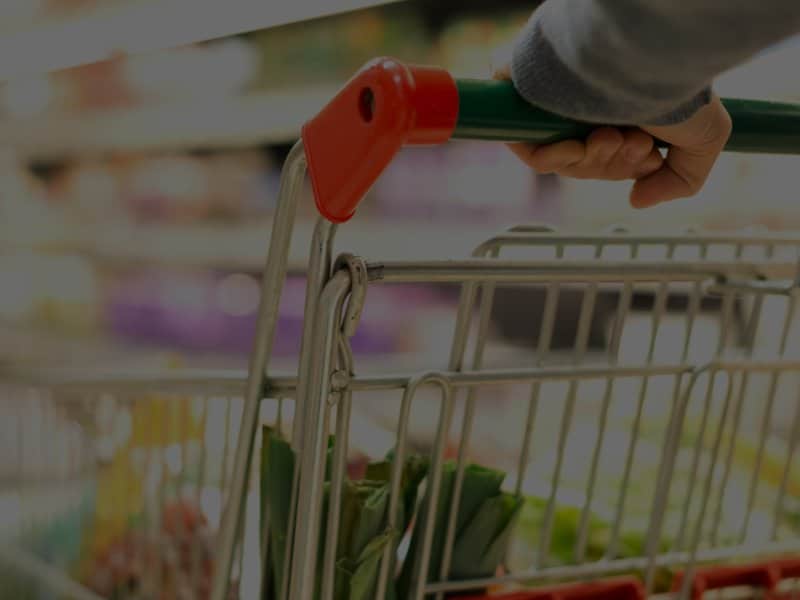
(612, 589)
(788, 568)
(623, 588)
(355, 137)
(765, 576)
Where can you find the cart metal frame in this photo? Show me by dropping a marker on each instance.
(326, 378)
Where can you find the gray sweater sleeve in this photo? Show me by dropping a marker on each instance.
(640, 61)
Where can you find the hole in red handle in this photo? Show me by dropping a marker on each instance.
(366, 104)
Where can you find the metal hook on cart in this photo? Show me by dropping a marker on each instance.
(358, 291)
(357, 268)
(341, 397)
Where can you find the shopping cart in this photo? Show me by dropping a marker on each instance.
(657, 460)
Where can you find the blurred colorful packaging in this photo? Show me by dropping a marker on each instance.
(218, 68)
(225, 187)
(216, 313)
(56, 292)
(472, 46)
(331, 49)
(470, 182)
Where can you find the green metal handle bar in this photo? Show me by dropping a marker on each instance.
(493, 110)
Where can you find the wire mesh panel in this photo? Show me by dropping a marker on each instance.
(642, 420)
(645, 451)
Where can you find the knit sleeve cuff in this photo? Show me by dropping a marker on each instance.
(543, 79)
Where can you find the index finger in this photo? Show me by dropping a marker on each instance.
(550, 158)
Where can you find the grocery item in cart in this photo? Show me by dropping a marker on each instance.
(362, 521)
(483, 527)
(486, 516)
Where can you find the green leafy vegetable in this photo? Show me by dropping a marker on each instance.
(363, 531)
(414, 472)
(483, 524)
(481, 546)
(358, 579)
(277, 472)
(564, 539)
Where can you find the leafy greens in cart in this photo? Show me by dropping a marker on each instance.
(483, 525)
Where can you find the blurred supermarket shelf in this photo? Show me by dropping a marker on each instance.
(244, 247)
(258, 118)
(35, 350)
(28, 346)
(138, 26)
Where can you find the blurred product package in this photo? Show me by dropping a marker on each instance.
(465, 182)
(216, 313)
(472, 46)
(330, 50)
(221, 187)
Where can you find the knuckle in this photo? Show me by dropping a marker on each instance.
(605, 137)
(637, 137)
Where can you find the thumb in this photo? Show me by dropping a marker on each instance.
(683, 174)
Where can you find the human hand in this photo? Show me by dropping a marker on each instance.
(616, 154)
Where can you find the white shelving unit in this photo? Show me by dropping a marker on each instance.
(138, 26)
(244, 247)
(255, 118)
(130, 27)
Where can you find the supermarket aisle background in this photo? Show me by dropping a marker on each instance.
(135, 204)
(137, 192)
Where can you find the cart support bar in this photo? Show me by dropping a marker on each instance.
(388, 105)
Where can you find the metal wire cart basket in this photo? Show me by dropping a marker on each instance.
(643, 444)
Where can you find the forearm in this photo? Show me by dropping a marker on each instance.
(640, 61)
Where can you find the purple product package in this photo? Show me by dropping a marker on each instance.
(190, 312)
